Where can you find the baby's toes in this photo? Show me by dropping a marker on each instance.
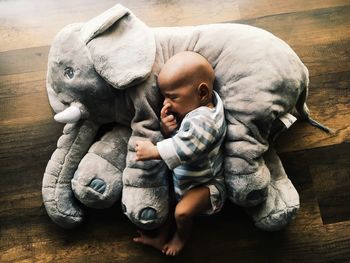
(172, 252)
(165, 248)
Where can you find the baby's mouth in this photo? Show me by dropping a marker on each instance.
(172, 113)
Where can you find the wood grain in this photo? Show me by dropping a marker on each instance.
(317, 163)
(329, 169)
(26, 24)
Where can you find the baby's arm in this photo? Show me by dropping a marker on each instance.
(194, 138)
(146, 150)
(192, 141)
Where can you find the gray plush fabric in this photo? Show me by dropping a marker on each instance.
(97, 182)
(107, 69)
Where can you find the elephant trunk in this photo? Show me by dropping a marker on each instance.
(57, 191)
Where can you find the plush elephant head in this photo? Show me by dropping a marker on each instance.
(89, 61)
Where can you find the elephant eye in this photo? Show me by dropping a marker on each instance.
(69, 72)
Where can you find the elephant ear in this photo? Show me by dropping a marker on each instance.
(122, 47)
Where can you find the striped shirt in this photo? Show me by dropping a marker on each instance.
(194, 153)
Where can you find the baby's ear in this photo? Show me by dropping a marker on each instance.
(203, 91)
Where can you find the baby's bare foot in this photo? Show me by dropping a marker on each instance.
(174, 246)
(156, 241)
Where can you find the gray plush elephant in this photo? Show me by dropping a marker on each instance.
(105, 70)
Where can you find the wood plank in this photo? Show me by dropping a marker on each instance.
(24, 100)
(255, 9)
(23, 60)
(22, 27)
(329, 169)
(24, 153)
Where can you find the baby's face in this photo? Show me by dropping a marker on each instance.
(180, 81)
(181, 99)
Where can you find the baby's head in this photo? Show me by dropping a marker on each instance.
(186, 82)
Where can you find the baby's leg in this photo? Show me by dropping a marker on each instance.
(194, 202)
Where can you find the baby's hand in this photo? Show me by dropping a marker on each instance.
(146, 150)
(168, 122)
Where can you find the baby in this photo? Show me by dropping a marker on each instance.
(193, 115)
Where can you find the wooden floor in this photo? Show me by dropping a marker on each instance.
(317, 163)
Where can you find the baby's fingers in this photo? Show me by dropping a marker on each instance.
(164, 110)
(169, 118)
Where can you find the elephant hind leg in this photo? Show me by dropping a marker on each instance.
(282, 203)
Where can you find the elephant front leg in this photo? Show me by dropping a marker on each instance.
(97, 183)
(57, 193)
(145, 198)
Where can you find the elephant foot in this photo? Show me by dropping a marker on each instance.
(280, 207)
(59, 201)
(97, 183)
(146, 207)
(64, 212)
